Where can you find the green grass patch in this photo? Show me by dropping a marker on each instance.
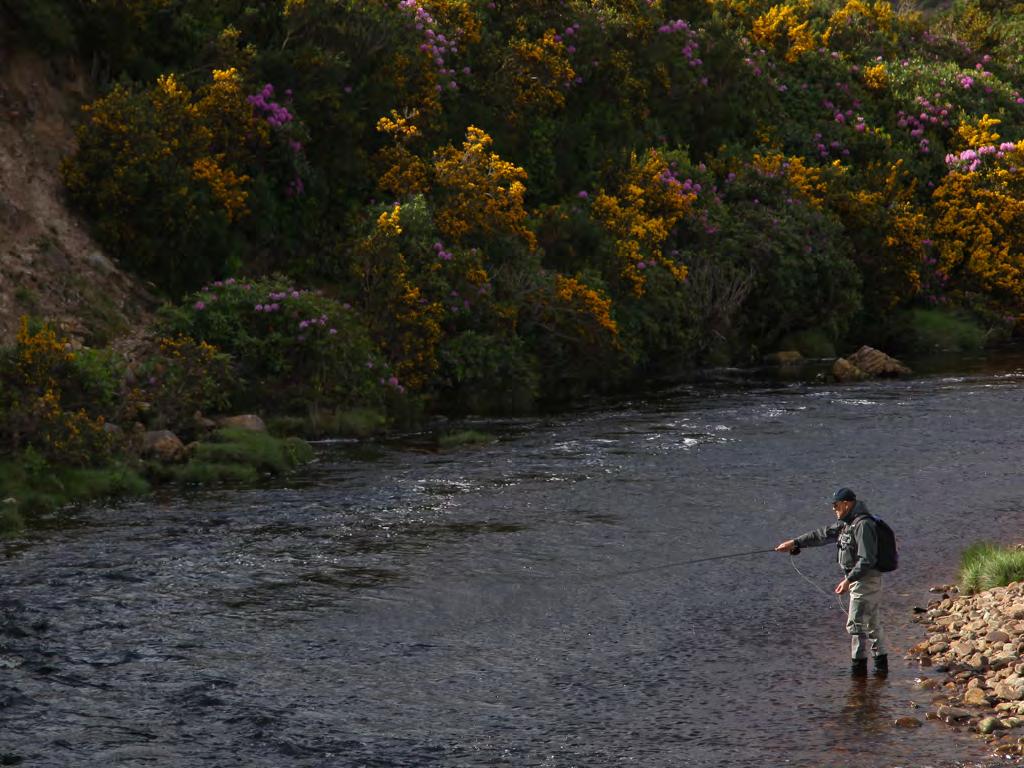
(237, 456)
(938, 330)
(39, 489)
(355, 422)
(985, 565)
(465, 437)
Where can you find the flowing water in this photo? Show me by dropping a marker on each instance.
(403, 607)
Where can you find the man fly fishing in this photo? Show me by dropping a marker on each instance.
(856, 533)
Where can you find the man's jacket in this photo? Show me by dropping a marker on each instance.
(857, 538)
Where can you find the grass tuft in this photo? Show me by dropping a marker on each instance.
(985, 565)
(238, 456)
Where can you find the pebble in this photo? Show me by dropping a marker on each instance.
(989, 724)
(976, 697)
(907, 722)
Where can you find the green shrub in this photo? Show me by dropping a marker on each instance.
(46, 23)
(179, 377)
(487, 374)
(296, 348)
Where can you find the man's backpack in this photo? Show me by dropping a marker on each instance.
(888, 550)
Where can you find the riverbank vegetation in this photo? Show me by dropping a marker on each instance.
(360, 213)
(985, 565)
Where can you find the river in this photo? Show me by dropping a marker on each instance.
(395, 606)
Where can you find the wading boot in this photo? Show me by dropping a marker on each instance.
(881, 666)
(859, 668)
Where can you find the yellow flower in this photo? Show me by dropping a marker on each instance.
(389, 222)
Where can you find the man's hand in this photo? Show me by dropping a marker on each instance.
(842, 587)
(786, 546)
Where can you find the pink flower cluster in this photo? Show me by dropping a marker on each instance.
(435, 44)
(691, 46)
(455, 306)
(312, 325)
(442, 254)
(392, 381)
(826, 150)
(275, 114)
(931, 114)
(971, 160)
(685, 187)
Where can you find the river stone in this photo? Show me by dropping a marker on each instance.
(163, 444)
(907, 722)
(1008, 692)
(975, 697)
(997, 636)
(963, 648)
(844, 370)
(202, 423)
(989, 724)
(248, 421)
(952, 713)
(876, 363)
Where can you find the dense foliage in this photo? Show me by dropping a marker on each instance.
(506, 199)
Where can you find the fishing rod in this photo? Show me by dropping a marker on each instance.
(681, 563)
(664, 566)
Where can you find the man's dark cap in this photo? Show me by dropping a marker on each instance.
(844, 494)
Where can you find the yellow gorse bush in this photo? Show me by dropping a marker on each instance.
(876, 77)
(587, 301)
(480, 194)
(780, 25)
(64, 437)
(978, 133)
(978, 221)
(640, 217)
(540, 71)
(878, 15)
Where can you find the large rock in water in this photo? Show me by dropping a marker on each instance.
(875, 363)
(163, 445)
(844, 370)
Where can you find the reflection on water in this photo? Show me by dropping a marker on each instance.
(498, 605)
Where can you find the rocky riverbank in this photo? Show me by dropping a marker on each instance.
(977, 642)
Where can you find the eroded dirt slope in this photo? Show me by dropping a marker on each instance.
(49, 264)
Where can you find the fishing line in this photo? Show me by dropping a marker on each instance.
(679, 563)
(814, 584)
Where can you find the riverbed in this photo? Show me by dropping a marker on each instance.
(506, 604)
